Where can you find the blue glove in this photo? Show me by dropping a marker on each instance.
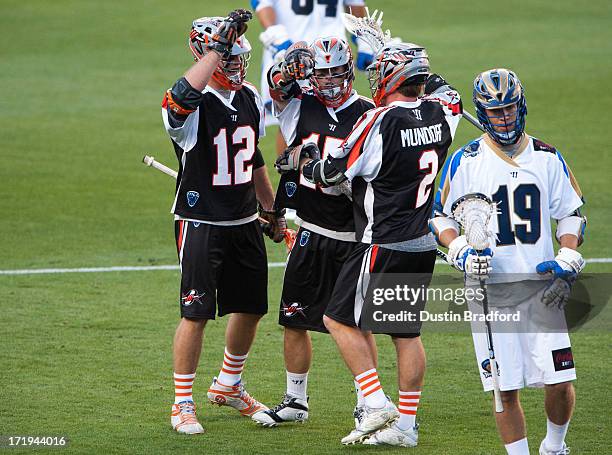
(364, 60)
(563, 270)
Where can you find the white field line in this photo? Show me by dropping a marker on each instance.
(146, 268)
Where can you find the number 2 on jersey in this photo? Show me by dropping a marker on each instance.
(242, 174)
(428, 160)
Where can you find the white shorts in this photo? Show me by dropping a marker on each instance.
(525, 358)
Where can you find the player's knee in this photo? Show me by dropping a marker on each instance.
(562, 391)
(194, 322)
(329, 323)
(510, 398)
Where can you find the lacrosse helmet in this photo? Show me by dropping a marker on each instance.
(230, 73)
(496, 89)
(333, 75)
(394, 65)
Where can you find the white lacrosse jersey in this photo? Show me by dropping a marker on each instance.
(307, 20)
(530, 188)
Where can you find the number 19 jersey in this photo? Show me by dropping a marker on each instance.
(530, 188)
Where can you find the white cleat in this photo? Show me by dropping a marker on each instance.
(393, 436)
(236, 397)
(368, 420)
(184, 420)
(291, 409)
(544, 451)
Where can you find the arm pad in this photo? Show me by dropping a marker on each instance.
(439, 224)
(322, 173)
(573, 224)
(185, 96)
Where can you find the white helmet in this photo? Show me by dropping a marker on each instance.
(231, 72)
(332, 87)
(394, 65)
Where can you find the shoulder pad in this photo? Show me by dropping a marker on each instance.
(472, 149)
(543, 146)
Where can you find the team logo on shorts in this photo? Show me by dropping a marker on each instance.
(292, 309)
(192, 198)
(290, 188)
(486, 366)
(191, 297)
(304, 238)
(563, 359)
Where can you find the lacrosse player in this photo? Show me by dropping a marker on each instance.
(286, 22)
(215, 119)
(324, 116)
(531, 183)
(392, 175)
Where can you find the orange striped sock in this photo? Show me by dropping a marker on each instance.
(373, 394)
(231, 370)
(182, 387)
(408, 405)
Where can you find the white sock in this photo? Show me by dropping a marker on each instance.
(360, 400)
(297, 384)
(555, 435)
(373, 394)
(231, 371)
(408, 405)
(519, 447)
(182, 387)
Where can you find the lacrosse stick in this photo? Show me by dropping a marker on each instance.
(151, 162)
(473, 212)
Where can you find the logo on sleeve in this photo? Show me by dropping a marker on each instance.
(192, 198)
(563, 359)
(304, 238)
(290, 188)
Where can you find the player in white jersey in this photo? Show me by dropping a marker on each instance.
(288, 21)
(531, 183)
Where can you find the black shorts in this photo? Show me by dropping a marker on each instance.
(352, 285)
(221, 266)
(312, 269)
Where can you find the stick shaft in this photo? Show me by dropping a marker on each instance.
(470, 118)
(150, 161)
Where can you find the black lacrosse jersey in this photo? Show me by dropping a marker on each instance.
(307, 119)
(392, 158)
(216, 147)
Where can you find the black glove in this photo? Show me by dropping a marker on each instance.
(275, 224)
(232, 27)
(298, 63)
(290, 159)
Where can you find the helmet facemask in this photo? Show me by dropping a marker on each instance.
(333, 86)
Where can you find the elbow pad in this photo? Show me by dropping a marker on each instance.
(322, 173)
(182, 98)
(279, 89)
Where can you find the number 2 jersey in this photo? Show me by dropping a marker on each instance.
(392, 157)
(216, 147)
(530, 188)
(306, 119)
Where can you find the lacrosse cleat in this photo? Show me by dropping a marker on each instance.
(291, 409)
(393, 436)
(183, 418)
(544, 451)
(234, 396)
(368, 420)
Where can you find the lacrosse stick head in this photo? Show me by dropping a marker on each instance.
(368, 29)
(473, 212)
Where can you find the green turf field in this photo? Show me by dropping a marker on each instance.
(89, 355)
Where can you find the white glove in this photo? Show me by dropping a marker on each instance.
(466, 259)
(564, 269)
(275, 39)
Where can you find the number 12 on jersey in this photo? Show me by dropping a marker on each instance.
(244, 135)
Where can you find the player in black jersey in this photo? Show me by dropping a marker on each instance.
(323, 116)
(215, 120)
(391, 157)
